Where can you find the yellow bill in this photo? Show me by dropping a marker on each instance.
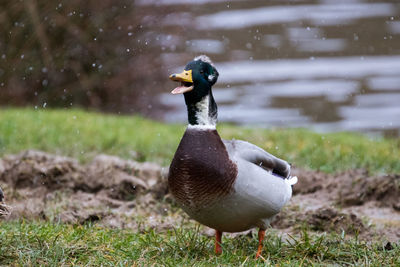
(186, 80)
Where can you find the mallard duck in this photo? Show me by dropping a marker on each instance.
(228, 185)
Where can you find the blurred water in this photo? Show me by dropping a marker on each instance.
(330, 65)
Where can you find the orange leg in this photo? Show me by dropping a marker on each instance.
(261, 235)
(218, 242)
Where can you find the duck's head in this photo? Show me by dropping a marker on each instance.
(197, 78)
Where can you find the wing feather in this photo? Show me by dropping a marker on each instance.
(258, 156)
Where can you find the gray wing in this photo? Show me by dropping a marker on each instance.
(258, 156)
(1, 195)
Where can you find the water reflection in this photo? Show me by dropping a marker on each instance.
(312, 68)
(329, 14)
(331, 65)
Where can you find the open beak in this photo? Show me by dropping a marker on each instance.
(186, 80)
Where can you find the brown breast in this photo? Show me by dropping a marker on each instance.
(201, 171)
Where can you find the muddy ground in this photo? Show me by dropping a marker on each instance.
(121, 193)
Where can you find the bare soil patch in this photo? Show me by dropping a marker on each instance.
(121, 193)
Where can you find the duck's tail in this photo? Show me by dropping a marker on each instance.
(291, 180)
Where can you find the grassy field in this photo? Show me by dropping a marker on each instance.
(32, 243)
(82, 135)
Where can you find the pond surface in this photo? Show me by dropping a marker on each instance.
(328, 65)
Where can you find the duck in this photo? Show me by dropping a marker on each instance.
(228, 185)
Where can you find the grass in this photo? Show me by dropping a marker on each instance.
(41, 243)
(84, 134)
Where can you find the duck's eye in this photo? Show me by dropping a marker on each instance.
(201, 71)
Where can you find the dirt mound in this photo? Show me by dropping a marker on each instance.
(117, 178)
(363, 200)
(354, 187)
(326, 219)
(42, 185)
(35, 169)
(123, 193)
(309, 181)
(361, 189)
(329, 219)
